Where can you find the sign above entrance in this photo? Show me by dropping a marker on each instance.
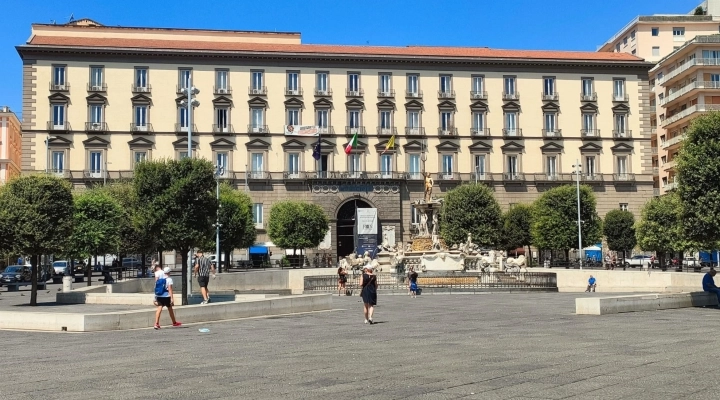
(361, 188)
(301, 130)
(367, 221)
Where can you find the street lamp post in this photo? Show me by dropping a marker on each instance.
(219, 171)
(578, 169)
(190, 102)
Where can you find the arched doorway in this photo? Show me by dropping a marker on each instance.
(346, 226)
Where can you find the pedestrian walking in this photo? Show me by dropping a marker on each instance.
(413, 283)
(342, 280)
(409, 273)
(164, 297)
(369, 293)
(203, 267)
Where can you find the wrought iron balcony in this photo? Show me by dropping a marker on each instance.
(622, 134)
(448, 176)
(512, 132)
(96, 127)
(181, 89)
(386, 93)
(511, 96)
(258, 175)
(624, 177)
(447, 131)
(554, 177)
(415, 131)
(179, 128)
(478, 95)
(354, 93)
(620, 97)
(386, 131)
(323, 92)
(480, 177)
(225, 128)
(588, 96)
(590, 132)
(257, 129)
(350, 130)
(257, 91)
(98, 87)
(590, 178)
(552, 133)
(135, 127)
(221, 90)
(59, 126)
(418, 94)
(293, 92)
(329, 130)
(446, 94)
(480, 132)
(140, 89)
(550, 96)
(59, 87)
(513, 177)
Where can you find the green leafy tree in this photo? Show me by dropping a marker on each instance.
(37, 213)
(517, 222)
(135, 237)
(237, 230)
(297, 225)
(471, 209)
(659, 228)
(619, 230)
(554, 224)
(698, 168)
(699, 11)
(177, 204)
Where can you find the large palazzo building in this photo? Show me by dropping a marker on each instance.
(99, 99)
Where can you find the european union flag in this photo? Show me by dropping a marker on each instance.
(316, 150)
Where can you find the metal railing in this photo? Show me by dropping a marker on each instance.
(293, 92)
(622, 134)
(696, 61)
(670, 186)
(588, 97)
(513, 177)
(414, 95)
(260, 91)
(59, 87)
(696, 108)
(689, 88)
(102, 87)
(63, 126)
(140, 89)
(141, 128)
(96, 126)
(478, 95)
(511, 96)
(386, 131)
(510, 132)
(222, 90)
(252, 128)
(590, 132)
(350, 130)
(179, 128)
(447, 131)
(589, 178)
(354, 93)
(419, 131)
(483, 132)
(325, 92)
(550, 133)
(226, 128)
(550, 96)
(623, 97)
(556, 177)
(326, 130)
(386, 93)
(446, 94)
(624, 177)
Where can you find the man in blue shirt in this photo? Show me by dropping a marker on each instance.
(591, 284)
(709, 284)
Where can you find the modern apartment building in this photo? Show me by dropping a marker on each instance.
(99, 99)
(10, 144)
(653, 37)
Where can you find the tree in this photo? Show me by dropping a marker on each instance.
(297, 225)
(698, 171)
(619, 230)
(178, 204)
(37, 213)
(555, 218)
(237, 229)
(660, 227)
(135, 237)
(517, 223)
(97, 218)
(471, 209)
(699, 11)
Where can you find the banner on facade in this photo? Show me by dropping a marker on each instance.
(301, 130)
(367, 221)
(326, 243)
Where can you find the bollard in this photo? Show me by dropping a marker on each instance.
(67, 284)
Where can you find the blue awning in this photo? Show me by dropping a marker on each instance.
(258, 250)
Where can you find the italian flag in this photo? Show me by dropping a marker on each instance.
(353, 143)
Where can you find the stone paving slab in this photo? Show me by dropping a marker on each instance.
(499, 346)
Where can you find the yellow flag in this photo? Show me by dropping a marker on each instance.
(390, 144)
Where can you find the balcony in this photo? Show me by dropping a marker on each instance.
(179, 128)
(590, 133)
(381, 131)
(689, 88)
(222, 90)
(622, 133)
(548, 177)
(257, 129)
(669, 165)
(480, 132)
(258, 175)
(447, 131)
(93, 174)
(591, 178)
(257, 91)
(386, 93)
(418, 94)
(59, 126)
(690, 110)
(448, 176)
(588, 96)
(624, 178)
(354, 93)
(415, 131)
(446, 94)
(323, 92)
(480, 177)
(293, 92)
(223, 128)
(672, 141)
(552, 133)
(181, 89)
(692, 63)
(512, 132)
(329, 130)
(511, 96)
(550, 96)
(513, 177)
(351, 130)
(670, 186)
(620, 97)
(146, 127)
(293, 175)
(140, 88)
(97, 88)
(478, 95)
(96, 127)
(59, 87)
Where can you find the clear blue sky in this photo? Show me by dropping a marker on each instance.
(510, 24)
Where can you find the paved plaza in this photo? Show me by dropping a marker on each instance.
(492, 346)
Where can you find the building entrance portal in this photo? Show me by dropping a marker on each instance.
(346, 220)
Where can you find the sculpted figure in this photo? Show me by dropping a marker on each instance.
(428, 186)
(435, 223)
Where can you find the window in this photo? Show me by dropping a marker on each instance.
(354, 165)
(58, 116)
(415, 217)
(321, 120)
(322, 165)
(59, 76)
(620, 125)
(549, 86)
(58, 162)
(354, 118)
(619, 89)
(622, 167)
(550, 124)
(414, 166)
(141, 80)
(632, 35)
(221, 161)
(588, 124)
(509, 85)
(385, 122)
(183, 119)
(139, 156)
(624, 206)
(258, 215)
(655, 31)
(257, 119)
(480, 166)
(478, 123)
(413, 87)
(448, 166)
(478, 85)
(590, 169)
(293, 165)
(293, 116)
(711, 54)
(625, 41)
(445, 84)
(321, 82)
(511, 124)
(293, 83)
(221, 81)
(413, 122)
(446, 122)
(551, 166)
(385, 84)
(257, 82)
(222, 120)
(95, 166)
(185, 76)
(386, 167)
(257, 165)
(512, 166)
(656, 51)
(678, 33)
(182, 155)
(587, 88)
(96, 78)
(96, 113)
(353, 84)
(141, 117)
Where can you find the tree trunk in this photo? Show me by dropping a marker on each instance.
(227, 260)
(143, 267)
(33, 279)
(185, 288)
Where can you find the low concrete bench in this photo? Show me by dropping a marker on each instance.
(643, 302)
(15, 286)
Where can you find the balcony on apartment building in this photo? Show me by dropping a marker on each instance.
(352, 130)
(257, 129)
(588, 96)
(478, 95)
(257, 90)
(447, 131)
(552, 133)
(512, 132)
(511, 96)
(554, 177)
(446, 94)
(554, 96)
(222, 90)
(682, 115)
(386, 93)
(620, 97)
(685, 68)
(135, 88)
(591, 178)
(417, 94)
(223, 128)
(386, 131)
(97, 87)
(354, 93)
(293, 92)
(623, 177)
(622, 133)
(480, 132)
(669, 165)
(59, 126)
(672, 141)
(415, 131)
(670, 186)
(689, 90)
(97, 127)
(323, 92)
(146, 127)
(590, 133)
(59, 87)
(179, 128)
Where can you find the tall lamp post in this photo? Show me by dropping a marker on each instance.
(190, 91)
(219, 171)
(578, 168)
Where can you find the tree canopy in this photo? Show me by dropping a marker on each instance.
(237, 229)
(297, 225)
(619, 230)
(659, 228)
(471, 209)
(517, 222)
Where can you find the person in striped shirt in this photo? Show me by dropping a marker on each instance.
(203, 268)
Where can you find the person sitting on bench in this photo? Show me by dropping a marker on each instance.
(708, 284)
(591, 284)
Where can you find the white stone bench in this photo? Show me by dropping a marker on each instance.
(643, 302)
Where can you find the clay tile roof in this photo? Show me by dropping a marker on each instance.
(409, 51)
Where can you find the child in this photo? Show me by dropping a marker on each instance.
(164, 297)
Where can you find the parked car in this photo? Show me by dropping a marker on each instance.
(638, 261)
(60, 268)
(689, 261)
(131, 263)
(16, 273)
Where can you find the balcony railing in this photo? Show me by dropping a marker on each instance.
(588, 97)
(553, 177)
(323, 92)
(590, 132)
(696, 108)
(350, 130)
(552, 133)
(447, 131)
(482, 132)
(140, 89)
(293, 92)
(414, 95)
(181, 89)
(672, 141)
(480, 177)
(354, 93)
(293, 175)
(59, 87)
(59, 126)
(478, 95)
(512, 132)
(224, 128)
(386, 93)
(620, 97)
(101, 87)
(688, 65)
(326, 130)
(415, 131)
(622, 134)
(257, 91)
(688, 88)
(511, 96)
(180, 128)
(258, 175)
(257, 129)
(624, 177)
(446, 94)
(222, 90)
(96, 126)
(135, 127)
(590, 178)
(447, 176)
(670, 186)
(550, 96)
(669, 165)
(513, 177)
(386, 131)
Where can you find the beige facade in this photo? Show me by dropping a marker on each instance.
(97, 100)
(10, 144)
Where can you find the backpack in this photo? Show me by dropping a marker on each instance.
(160, 287)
